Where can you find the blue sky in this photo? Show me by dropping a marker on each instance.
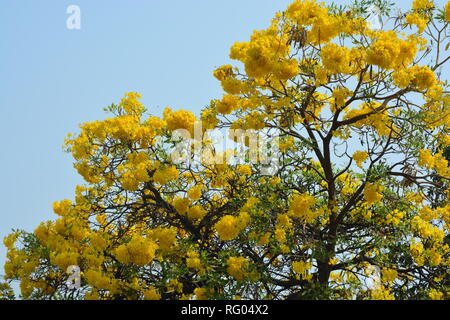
(52, 79)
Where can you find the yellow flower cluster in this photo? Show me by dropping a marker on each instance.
(5, 291)
(196, 212)
(195, 192)
(64, 259)
(321, 75)
(266, 54)
(254, 120)
(209, 117)
(300, 207)
(286, 69)
(360, 157)
(228, 227)
(336, 59)
(324, 26)
(394, 217)
(426, 230)
(373, 117)
(165, 174)
(441, 165)
(244, 169)
(139, 250)
(280, 235)
(223, 72)
(426, 159)
(179, 119)
(447, 11)
(155, 123)
(382, 294)
(389, 275)
(228, 104)
(281, 228)
(98, 279)
(123, 240)
(418, 20)
(234, 86)
(181, 204)
(88, 172)
(151, 294)
(301, 268)
(372, 193)
(305, 12)
(390, 52)
(202, 293)
(131, 104)
(340, 95)
(10, 240)
(436, 161)
(193, 260)
(435, 294)
(62, 208)
(237, 267)
(165, 237)
(123, 128)
(135, 170)
(422, 4)
(427, 214)
(416, 249)
(420, 77)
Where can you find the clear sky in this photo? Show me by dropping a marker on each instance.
(52, 79)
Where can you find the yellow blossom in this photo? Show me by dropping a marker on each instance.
(138, 250)
(372, 193)
(229, 226)
(237, 267)
(360, 157)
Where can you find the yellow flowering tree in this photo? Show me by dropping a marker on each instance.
(358, 207)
